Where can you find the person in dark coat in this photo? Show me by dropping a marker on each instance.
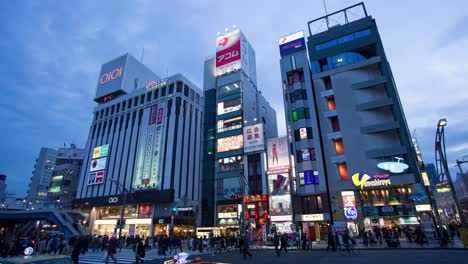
(276, 240)
(284, 243)
(140, 252)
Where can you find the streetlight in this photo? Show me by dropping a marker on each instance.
(441, 164)
(124, 203)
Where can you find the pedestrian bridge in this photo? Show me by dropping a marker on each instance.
(61, 218)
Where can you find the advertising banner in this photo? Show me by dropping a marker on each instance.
(228, 52)
(145, 210)
(98, 164)
(101, 151)
(278, 153)
(230, 187)
(149, 147)
(253, 138)
(292, 43)
(230, 143)
(96, 178)
(65, 153)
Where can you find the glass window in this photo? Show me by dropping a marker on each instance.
(295, 76)
(163, 90)
(294, 116)
(179, 87)
(171, 90)
(229, 106)
(229, 88)
(229, 164)
(343, 39)
(229, 124)
(298, 95)
(186, 90)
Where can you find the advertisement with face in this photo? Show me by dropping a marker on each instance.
(278, 154)
(144, 210)
(228, 52)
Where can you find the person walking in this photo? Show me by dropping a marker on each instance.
(245, 247)
(284, 243)
(140, 252)
(276, 240)
(331, 241)
(111, 250)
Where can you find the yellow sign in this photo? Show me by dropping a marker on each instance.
(443, 190)
(425, 178)
(368, 181)
(97, 152)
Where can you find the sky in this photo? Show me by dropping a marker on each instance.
(51, 53)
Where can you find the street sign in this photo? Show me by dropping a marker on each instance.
(161, 221)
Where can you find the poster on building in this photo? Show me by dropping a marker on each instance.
(230, 143)
(278, 153)
(228, 52)
(145, 210)
(280, 205)
(278, 184)
(98, 164)
(253, 138)
(149, 147)
(231, 187)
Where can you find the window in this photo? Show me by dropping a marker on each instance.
(226, 89)
(229, 106)
(339, 147)
(191, 95)
(229, 124)
(343, 39)
(298, 95)
(229, 164)
(303, 133)
(155, 94)
(335, 124)
(327, 82)
(305, 153)
(163, 90)
(343, 171)
(171, 90)
(331, 103)
(179, 87)
(186, 90)
(300, 113)
(219, 187)
(135, 101)
(142, 99)
(295, 76)
(118, 108)
(308, 177)
(112, 109)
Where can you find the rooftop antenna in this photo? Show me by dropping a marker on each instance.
(142, 53)
(326, 13)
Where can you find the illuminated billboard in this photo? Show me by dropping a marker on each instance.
(149, 147)
(229, 106)
(292, 43)
(111, 77)
(278, 153)
(96, 178)
(228, 52)
(101, 151)
(230, 143)
(253, 138)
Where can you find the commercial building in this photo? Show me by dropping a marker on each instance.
(370, 161)
(352, 116)
(310, 199)
(41, 178)
(143, 151)
(237, 121)
(65, 177)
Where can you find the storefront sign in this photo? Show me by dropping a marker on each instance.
(389, 210)
(350, 213)
(423, 207)
(113, 200)
(227, 215)
(253, 138)
(368, 181)
(183, 209)
(408, 220)
(349, 205)
(161, 221)
(425, 178)
(312, 217)
(393, 167)
(443, 190)
(281, 218)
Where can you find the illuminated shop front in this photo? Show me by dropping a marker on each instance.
(229, 218)
(256, 214)
(314, 226)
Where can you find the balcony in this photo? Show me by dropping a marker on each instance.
(385, 152)
(368, 84)
(380, 127)
(328, 114)
(374, 104)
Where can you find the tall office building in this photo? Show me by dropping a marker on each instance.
(310, 199)
(237, 121)
(369, 161)
(41, 178)
(143, 140)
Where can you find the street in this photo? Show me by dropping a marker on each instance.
(422, 256)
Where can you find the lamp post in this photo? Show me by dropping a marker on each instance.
(441, 164)
(124, 203)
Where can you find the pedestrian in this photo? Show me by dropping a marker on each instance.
(276, 240)
(284, 243)
(245, 247)
(77, 247)
(331, 241)
(111, 250)
(140, 252)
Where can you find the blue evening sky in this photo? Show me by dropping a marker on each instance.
(51, 52)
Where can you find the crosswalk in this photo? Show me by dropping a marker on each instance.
(94, 259)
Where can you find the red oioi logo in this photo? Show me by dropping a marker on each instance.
(109, 76)
(222, 42)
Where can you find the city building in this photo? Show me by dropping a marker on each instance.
(310, 199)
(41, 178)
(3, 186)
(237, 122)
(65, 177)
(143, 153)
(368, 157)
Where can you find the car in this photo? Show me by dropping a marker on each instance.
(38, 259)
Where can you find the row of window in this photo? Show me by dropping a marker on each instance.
(343, 39)
(303, 133)
(147, 97)
(306, 154)
(227, 89)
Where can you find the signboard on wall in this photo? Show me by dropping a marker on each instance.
(96, 178)
(278, 153)
(253, 138)
(98, 164)
(111, 77)
(145, 210)
(101, 151)
(68, 153)
(228, 52)
(292, 43)
(230, 143)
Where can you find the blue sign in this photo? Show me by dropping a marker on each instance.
(311, 177)
(292, 46)
(350, 213)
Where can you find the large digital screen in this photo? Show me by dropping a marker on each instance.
(278, 153)
(230, 143)
(253, 138)
(228, 52)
